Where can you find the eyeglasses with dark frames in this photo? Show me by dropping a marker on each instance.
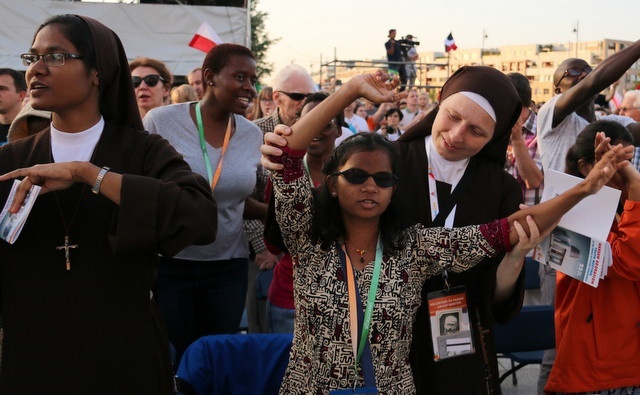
(624, 109)
(50, 59)
(357, 176)
(575, 71)
(151, 80)
(295, 95)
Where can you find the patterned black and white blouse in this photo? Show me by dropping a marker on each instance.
(322, 356)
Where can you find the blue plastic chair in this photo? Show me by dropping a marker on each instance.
(234, 364)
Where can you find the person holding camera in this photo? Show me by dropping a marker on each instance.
(410, 56)
(395, 55)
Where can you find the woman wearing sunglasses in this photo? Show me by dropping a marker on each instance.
(202, 289)
(357, 273)
(280, 304)
(152, 83)
(76, 284)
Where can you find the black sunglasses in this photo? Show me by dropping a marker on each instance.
(357, 176)
(575, 71)
(296, 96)
(151, 80)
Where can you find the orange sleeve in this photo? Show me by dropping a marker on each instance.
(625, 243)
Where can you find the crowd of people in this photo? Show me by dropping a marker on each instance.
(340, 217)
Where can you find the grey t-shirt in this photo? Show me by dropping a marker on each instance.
(237, 179)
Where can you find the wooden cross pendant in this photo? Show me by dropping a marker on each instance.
(66, 247)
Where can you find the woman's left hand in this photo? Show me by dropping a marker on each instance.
(50, 176)
(525, 241)
(511, 265)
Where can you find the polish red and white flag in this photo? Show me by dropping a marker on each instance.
(205, 38)
(616, 100)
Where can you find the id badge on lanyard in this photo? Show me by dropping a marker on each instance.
(358, 348)
(450, 324)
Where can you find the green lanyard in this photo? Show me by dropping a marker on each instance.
(213, 178)
(366, 322)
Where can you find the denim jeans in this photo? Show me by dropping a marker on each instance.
(199, 298)
(279, 320)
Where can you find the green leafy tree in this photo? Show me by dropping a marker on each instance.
(260, 40)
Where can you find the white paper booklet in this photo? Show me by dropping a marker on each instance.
(11, 224)
(577, 247)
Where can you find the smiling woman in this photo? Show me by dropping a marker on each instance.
(348, 243)
(76, 284)
(222, 145)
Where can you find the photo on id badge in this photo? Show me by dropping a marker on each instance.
(450, 328)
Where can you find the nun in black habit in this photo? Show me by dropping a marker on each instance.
(78, 317)
(471, 188)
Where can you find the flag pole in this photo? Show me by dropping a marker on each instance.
(448, 66)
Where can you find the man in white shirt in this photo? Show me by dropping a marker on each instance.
(411, 110)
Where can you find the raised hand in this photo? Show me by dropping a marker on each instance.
(614, 159)
(271, 147)
(378, 87)
(516, 130)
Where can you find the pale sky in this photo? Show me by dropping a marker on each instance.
(357, 30)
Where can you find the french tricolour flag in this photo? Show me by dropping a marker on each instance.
(449, 43)
(205, 38)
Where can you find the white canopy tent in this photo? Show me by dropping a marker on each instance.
(157, 31)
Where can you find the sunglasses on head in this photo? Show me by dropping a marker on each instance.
(357, 176)
(575, 71)
(296, 96)
(151, 80)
